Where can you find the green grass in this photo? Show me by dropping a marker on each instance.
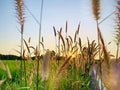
(65, 83)
(75, 80)
(10, 83)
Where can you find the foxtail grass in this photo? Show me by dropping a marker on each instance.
(77, 33)
(61, 37)
(117, 33)
(20, 16)
(96, 9)
(96, 13)
(45, 68)
(65, 62)
(66, 30)
(55, 34)
(68, 45)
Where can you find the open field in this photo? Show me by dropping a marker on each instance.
(73, 79)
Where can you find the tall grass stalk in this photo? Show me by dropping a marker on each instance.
(41, 12)
(66, 30)
(59, 34)
(63, 41)
(55, 34)
(20, 16)
(117, 35)
(96, 13)
(24, 64)
(28, 57)
(38, 64)
(45, 67)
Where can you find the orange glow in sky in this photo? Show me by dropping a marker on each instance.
(55, 13)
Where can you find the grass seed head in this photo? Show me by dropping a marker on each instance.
(96, 8)
(45, 68)
(20, 11)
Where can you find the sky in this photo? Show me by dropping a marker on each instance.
(55, 13)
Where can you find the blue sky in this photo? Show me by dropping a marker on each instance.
(55, 13)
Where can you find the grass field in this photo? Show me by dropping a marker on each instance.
(70, 79)
(73, 80)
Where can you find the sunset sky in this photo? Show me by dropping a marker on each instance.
(55, 13)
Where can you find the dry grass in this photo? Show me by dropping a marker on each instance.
(61, 37)
(45, 68)
(63, 66)
(66, 28)
(2, 65)
(54, 31)
(117, 33)
(96, 8)
(20, 11)
(20, 16)
(2, 81)
(8, 71)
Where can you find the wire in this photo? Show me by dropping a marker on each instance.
(106, 17)
(31, 14)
